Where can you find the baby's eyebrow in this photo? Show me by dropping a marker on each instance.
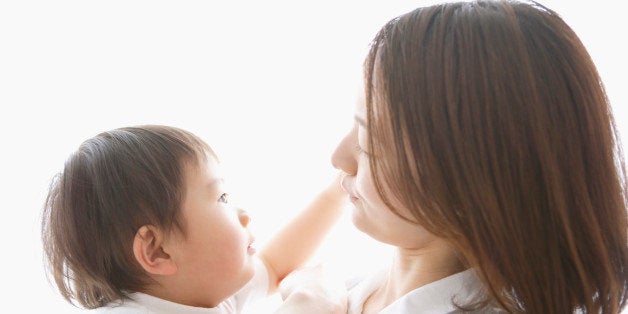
(213, 182)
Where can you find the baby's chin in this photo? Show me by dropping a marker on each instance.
(240, 282)
(249, 269)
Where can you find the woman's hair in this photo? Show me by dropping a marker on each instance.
(489, 121)
(115, 183)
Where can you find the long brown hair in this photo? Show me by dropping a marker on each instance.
(112, 185)
(488, 120)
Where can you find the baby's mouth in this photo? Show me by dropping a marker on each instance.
(251, 249)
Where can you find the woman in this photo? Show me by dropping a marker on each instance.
(485, 151)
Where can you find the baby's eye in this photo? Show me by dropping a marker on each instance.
(224, 198)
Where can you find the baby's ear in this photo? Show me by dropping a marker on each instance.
(149, 252)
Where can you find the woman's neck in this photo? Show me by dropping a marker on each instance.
(414, 268)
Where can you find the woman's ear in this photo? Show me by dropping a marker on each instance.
(149, 252)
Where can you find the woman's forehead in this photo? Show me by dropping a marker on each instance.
(360, 107)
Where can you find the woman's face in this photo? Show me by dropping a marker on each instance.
(370, 214)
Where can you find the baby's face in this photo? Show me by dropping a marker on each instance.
(214, 257)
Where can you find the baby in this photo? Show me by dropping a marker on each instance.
(139, 221)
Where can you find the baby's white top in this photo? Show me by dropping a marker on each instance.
(141, 303)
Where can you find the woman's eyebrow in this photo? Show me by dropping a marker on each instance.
(360, 121)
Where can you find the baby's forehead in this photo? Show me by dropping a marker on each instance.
(203, 159)
(206, 164)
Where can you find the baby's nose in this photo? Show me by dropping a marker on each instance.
(244, 217)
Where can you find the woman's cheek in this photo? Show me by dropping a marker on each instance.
(366, 187)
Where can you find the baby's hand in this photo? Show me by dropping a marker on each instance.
(310, 290)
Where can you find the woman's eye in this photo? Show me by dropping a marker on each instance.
(359, 149)
(224, 198)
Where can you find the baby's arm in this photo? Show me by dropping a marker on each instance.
(295, 243)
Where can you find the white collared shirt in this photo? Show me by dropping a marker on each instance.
(437, 297)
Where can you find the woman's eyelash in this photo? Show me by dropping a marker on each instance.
(359, 149)
(224, 198)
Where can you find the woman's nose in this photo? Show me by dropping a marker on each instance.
(344, 157)
(244, 217)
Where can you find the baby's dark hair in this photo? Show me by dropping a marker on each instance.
(112, 185)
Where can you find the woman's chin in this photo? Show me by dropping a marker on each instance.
(358, 219)
(362, 224)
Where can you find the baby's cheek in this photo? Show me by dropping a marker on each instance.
(238, 240)
(231, 254)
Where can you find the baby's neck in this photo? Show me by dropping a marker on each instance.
(411, 269)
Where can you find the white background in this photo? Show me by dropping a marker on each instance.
(269, 84)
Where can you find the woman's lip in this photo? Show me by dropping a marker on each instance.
(347, 184)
